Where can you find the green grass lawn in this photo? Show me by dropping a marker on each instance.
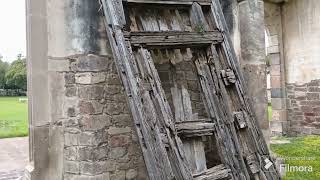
(302, 151)
(13, 117)
(269, 112)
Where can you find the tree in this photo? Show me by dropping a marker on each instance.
(4, 66)
(16, 76)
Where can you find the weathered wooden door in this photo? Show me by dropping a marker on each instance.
(185, 90)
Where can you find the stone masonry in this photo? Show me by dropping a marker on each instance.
(304, 108)
(93, 118)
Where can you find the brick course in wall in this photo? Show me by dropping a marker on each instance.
(303, 103)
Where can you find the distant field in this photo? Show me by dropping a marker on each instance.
(13, 117)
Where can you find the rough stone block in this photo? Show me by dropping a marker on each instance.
(72, 167)
(131, 174)
(306, 109)
(277, 103)
(276, 93)
(95, 122)
(118, 175)
(113, 79)
(70, 107)
(69, 78)
(279, 115)
(115, 108)
(300, 94)
(91, 63)
(91, 92)
(93, 153)
(122, 120)
(117, 152)
(275, 81)
(113, 89)
(313, 96)
(275, 70)
(71, 91)
(120, 140)
(90, 107)
(115, 130)
(90, 78)
(71, 153)
(313, 89)
(92, 168)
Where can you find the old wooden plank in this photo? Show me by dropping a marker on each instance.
(177, 38)
(195, 128)
(219, 172)
(164, 111)
(198, 21)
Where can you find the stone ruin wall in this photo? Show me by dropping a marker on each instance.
(301, 27)
(94, 120)
(294, 53)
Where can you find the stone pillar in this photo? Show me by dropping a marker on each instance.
(81, 127)
(253, 57)
(38, 101)
(273, 22)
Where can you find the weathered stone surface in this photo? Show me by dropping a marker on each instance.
(95, 122)
(118, 141)
(131, 174)
(72, 167)
(90, 78)
(118, 175)
(90, 107)
(91, 92)
(91, 62)
(115, 130)
(117, 152)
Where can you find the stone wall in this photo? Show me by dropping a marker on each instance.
(301, 27)
(80, 124)
(303, 103)
(92, 114)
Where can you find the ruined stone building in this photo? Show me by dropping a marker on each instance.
(81, 126)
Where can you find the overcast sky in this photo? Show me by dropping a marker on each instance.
(12, 29)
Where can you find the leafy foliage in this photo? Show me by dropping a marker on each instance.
(16, 76)
(4, 66)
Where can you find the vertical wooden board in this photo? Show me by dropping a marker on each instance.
(197, 19)
(177, 102)
(186, 103)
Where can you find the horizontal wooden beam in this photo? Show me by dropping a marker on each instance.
(178, 2)
(177, 39)
(194, 128)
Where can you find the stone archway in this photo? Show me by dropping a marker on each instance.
(274, 54)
